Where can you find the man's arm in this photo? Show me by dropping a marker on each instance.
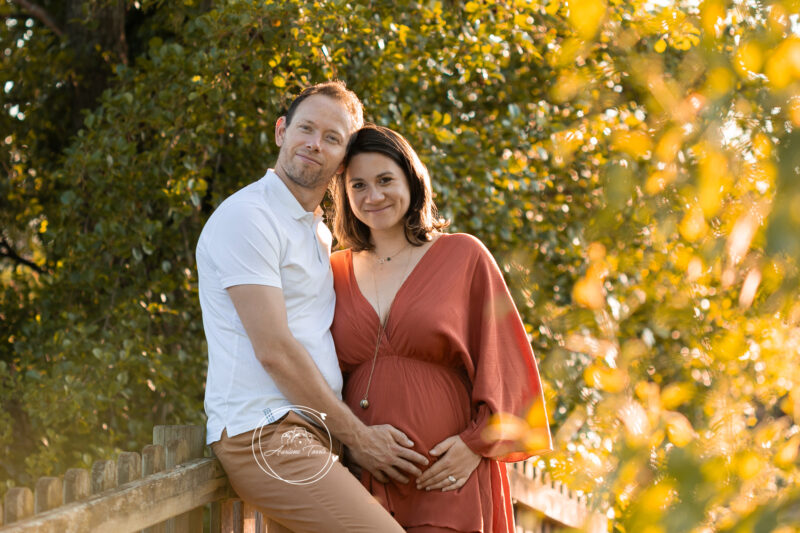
(380, 449)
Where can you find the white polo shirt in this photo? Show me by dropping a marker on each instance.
(261, 235)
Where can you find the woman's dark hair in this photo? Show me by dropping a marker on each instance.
(422, 217)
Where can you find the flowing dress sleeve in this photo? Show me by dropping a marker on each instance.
(508, 421)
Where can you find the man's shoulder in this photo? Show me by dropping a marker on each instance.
(249, 204)
(246, 210)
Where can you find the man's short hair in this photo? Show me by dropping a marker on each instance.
(337, 90)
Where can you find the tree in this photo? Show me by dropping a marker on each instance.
(632, 167)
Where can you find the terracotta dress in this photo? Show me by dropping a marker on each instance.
(454, 352)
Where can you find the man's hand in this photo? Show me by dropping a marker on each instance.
(456, 460)
(386, 451)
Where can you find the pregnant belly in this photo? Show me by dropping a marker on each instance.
(427, 402)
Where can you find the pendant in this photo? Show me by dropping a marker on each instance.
(364, 403)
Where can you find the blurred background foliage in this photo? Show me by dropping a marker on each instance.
(632, 165)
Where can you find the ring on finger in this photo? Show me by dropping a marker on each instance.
(451, 479)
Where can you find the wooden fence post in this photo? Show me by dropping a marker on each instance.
(77, 485)
(49, 494)
(153, 461)
(129, 467)
(18, 504)
(193, 438)
(232, 516)
(104, 476)
(249, 518)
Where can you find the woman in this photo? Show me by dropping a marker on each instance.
(429, 341)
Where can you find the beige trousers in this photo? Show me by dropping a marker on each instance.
(295, 479)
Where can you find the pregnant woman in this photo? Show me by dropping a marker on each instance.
(429, 341)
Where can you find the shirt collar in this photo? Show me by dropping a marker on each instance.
(287, 200)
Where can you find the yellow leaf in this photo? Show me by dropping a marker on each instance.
(586, 16)
(658, 181)
(748, 465)
(762, 147)
(552, 7)
(749, 58)
(657, 497)
(693, 226)
(788, 452)
(279, 81)
(676, 394)
(634, 143)
(611, 380)
(516, 164)
(520, 20)
(471, 7)
(660, 46)
(589, 292)
(444, 135)
(596, 252)
(679, 430)
(537, 415)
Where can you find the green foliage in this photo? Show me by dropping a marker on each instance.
(633, 167)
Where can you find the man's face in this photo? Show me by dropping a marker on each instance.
(314, 144)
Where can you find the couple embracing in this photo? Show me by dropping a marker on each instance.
(394, 353)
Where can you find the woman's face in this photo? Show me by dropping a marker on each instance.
(377, 190)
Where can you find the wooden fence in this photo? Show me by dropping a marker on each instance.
(171, 488)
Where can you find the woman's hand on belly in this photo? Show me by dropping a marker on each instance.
(455, 459)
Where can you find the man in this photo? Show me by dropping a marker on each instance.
(266, 291)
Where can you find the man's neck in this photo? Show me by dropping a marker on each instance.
(309, 199)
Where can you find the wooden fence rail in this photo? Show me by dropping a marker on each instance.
(166, 488)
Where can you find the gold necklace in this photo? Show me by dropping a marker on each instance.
(364, 403)
(381, 260)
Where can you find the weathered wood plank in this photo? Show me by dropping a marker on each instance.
(136, 505)
(153, 459)
(177, 452)
(193, 435)
(248, 518)
(232, 516)
(215, 517)
(49, 494)
(104, 476)
(129, 467)
(18, 504)
(77, 485)
(193, 438)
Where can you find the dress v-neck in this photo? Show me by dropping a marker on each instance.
(357, 287)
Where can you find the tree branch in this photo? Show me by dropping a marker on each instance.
(39, 13)
(7, 251)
